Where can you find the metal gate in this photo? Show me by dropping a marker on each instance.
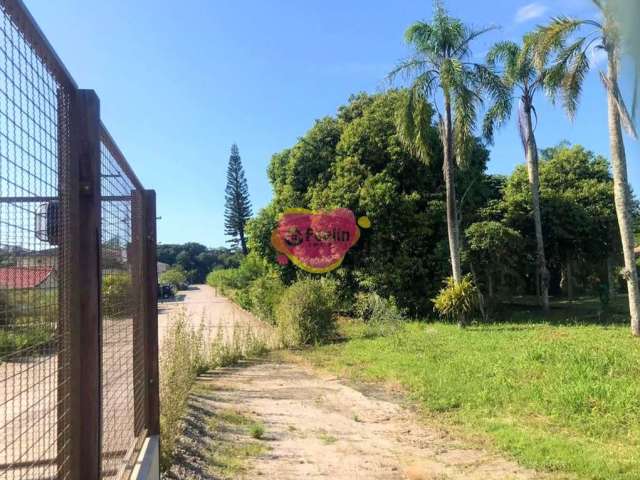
(78, 315)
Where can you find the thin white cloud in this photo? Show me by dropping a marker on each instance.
(531, 11)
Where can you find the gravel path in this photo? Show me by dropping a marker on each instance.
(317, 428)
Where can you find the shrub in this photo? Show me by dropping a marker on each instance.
(264, 294)
(220, 279)
(116, 295)
(305, 313)
(25, 340)
(175, 277)
(457, 300)
(381, 315)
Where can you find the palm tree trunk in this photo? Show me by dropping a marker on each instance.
(622, 196)
(448, 168)
(534, 185)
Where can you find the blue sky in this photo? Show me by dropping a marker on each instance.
(179, 82)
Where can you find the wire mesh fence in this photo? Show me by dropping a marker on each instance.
(54, 423)
(32, 344)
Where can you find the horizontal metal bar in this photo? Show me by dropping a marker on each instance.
(109, 198)
(21, 16)
(108, 140)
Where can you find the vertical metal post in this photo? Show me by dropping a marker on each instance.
(140, 385)
(151, 312)
(82, 218)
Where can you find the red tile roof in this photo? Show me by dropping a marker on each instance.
(23, 277)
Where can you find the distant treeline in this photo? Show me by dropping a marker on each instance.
(197, 260)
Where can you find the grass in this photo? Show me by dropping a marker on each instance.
(185, 354)
(327, 439)
(235, 444)
(560, 398)
(257, 431)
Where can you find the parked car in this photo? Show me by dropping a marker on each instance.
(165, 291)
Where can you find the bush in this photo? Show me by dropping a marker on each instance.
(305, 313)
(457, 300)
(116, 295)
(25, 341)
(264, 294)
(175, 277)
(381, 315)
(251, 268)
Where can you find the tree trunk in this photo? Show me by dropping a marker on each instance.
(622, 195)
(534, 185)
(569, 279)
(243, 242)
(448, 168)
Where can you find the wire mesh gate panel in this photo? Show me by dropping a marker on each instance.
(122, 365)
(32, 343)
(78, 347)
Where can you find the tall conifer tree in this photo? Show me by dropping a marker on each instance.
(237, 204)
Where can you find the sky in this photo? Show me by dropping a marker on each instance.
(179, 82)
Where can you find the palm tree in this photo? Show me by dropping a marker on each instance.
(570, 40)
(442, 74)
(519, 74)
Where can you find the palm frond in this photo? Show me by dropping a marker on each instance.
(413, 122)
(496, 116)
(408, 68)
(463, 48)
(465, 101)
(555, 76)
(551, 38)
(572, 82)
(505, 53)
(418, 34)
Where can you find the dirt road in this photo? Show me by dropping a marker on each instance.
(205, 307)
(317, 427)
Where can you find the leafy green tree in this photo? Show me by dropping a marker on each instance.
(372, 172)
(578, 211)
(493, 249)
(237, 203)
(522, 78)
(441, 72)
(197, 259)
(174, 276)
(569, 40)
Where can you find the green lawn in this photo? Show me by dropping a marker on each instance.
(564, 398)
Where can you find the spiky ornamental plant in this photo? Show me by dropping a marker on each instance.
(568, 43)
(523, 80)
(441, 73)
(237, 208)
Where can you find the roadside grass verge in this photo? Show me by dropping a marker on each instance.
(563, 399)
(186, 353)
(237, 439)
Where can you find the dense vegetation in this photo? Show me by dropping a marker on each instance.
(357, 160)
(197, 260)
(536, 264)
